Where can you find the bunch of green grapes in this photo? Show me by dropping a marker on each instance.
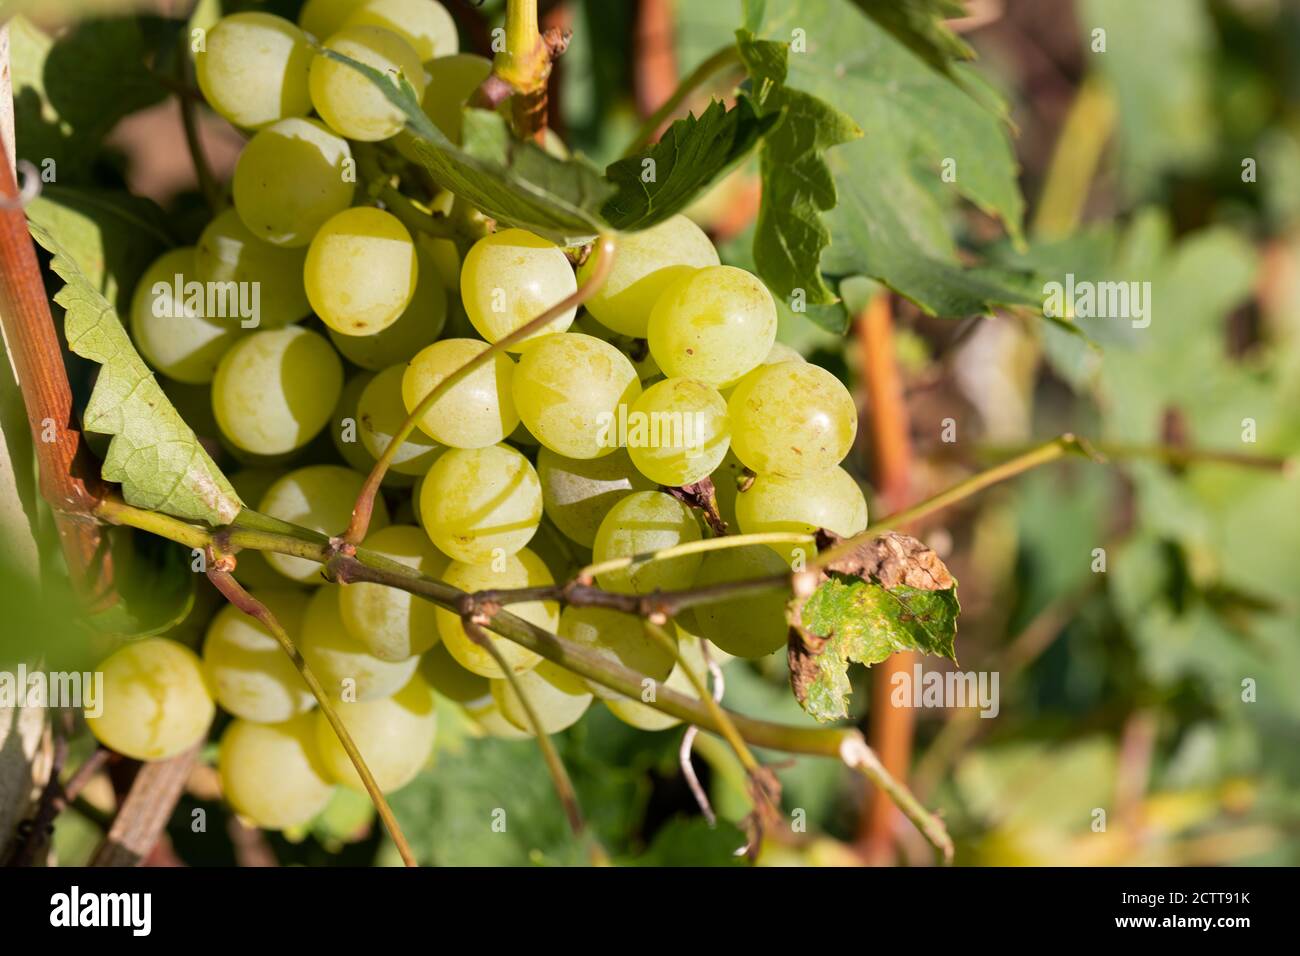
(593, 441)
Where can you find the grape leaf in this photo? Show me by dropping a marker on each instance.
(692, 155)
(918, 25)
(797, 183)
(518, 184)
(918, 128)
(892, 594)
(153, 454)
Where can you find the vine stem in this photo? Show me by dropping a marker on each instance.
(208, 184)
(722, 59)
(559, 776)
(605, 250)
(234, 592)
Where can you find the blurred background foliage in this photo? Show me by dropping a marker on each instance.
(1164, 691)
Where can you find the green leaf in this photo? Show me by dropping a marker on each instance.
(892, 594)
(918, 25)
(691, 156)
(71, 91)
(891, 221)
(692, 842)
(154, 585)
(153, 454)
(797, 183)
(515, 183)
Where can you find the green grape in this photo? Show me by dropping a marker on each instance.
(323, 18)
(751, 625)
(419, 325)
(380, 414)
(394, 736)
(361, 271)
(620, 638)
(172, 334)
(340, 662)
(272, 773)
(345, 424)
(449, 679)
(782, 353)
(290, 178)
(713, 324)
(725, 487)
(568, 390)
(557, 552)
(577, 493)
(155, 702)
(391, 623)
(792, 419)
(318, 497)
(558, 698)
(452, 81)
(677, 431)
(478, 504)
(643, 522)
(253, 69)
(229, 252)
(647, 263)
(250, 674)
(510, 278)
(828, 499)
(491, 721)
(637, 350)
(521, 570)
(348, 102)
(442, 252)
(274, 390)
(639, 714)
(424, 24)
(476, 412)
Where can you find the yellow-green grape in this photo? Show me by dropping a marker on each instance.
(577, 493)
(792, 419)
(521, 570)
(643, 522)
(558, 698)
(620, 638)
(290, 178)
(641, 715)
(749, 625)
(419, 325)
(452, 81)
(340, 662)
(380, 414)
(449, 679)
(172, 333)
(782, 353)
(318, 497)
(726, 478)
(228, 252)
(828, 499)
(155, 701)
(274, 390)
(347, 100)
(568, 390)
(394, 736)
(442, 252)
(476, 412)
(322, 18)
(714, 324)
(345, 425)
(272, 773)
(479, 504)
(677, 431)
(510, 278)
(637, 350)
(491, 721)
(647, 263)
(361, 271)
(252, 569)
(424, 24)
(253, 69)
(391, 623)
(249, 671)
